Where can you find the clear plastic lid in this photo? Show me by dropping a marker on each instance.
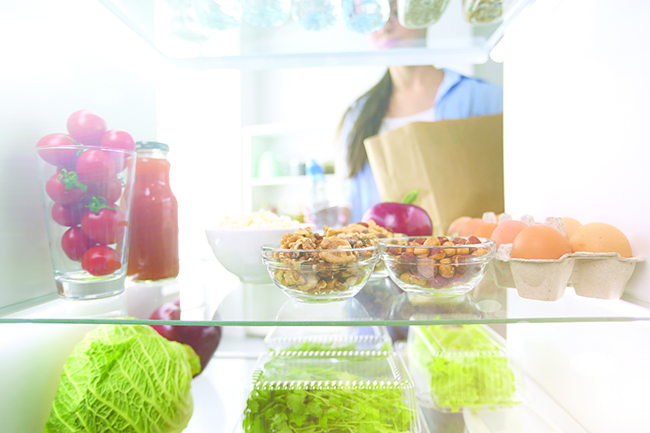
(328, 338)
(462, 366)
(330, 391)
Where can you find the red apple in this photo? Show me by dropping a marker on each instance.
(203, 339)
(405, 218)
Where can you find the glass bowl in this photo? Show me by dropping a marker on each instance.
(313, 275)
(437, 265)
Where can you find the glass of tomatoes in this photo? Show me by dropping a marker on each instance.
(87, 191)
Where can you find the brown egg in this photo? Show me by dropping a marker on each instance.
(454, 227)
(600, 238)
(570, 226)
(507, 231)
(540, 242)
(485, 231)
(470, 227)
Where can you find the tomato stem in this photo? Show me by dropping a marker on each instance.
(96, 203)
(70, 179)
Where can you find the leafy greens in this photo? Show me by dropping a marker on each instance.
(463, 367)
(331, 401)
(126, 379)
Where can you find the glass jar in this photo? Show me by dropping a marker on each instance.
(484, 12)
(419, 14)
(153, 248)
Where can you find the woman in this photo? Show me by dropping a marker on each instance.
(404, 94)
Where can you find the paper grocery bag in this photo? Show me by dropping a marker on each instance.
(456, 165)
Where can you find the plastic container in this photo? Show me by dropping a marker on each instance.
(330, 391)
(437, 266)
(459, 367)
(219, 14)
(328, 338)
(266, 13)
(153, 246)
(317, 275)
(419, 14)
(484, 12)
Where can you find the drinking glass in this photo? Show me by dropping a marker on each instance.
(87, 193)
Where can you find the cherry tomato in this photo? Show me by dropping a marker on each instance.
(87, 127)
(68, 214)
(111, 190)
(63, 188)
(95, 166)
(118, 139)
(104, 227)
(60, 157)
(100, 260)
(75, 243)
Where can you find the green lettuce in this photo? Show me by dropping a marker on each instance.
(464, 367)
(125, 378)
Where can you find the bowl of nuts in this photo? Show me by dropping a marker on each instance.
(437, 265)
(311, 267)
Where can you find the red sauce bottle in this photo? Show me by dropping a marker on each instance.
(153, 247)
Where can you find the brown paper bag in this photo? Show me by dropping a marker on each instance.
(457, 166)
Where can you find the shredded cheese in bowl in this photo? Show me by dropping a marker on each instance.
(262, 219)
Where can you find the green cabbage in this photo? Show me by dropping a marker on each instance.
(125, 378)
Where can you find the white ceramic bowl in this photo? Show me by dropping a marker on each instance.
(240, 250)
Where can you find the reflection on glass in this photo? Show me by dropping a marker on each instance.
(365, 16)
(412, 307)
(316, 14)
(296, 311)
(266, 13)
(377, 296)
(185, 23)
(219, 14)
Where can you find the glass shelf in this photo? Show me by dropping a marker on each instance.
(450, 39)
(380, 303)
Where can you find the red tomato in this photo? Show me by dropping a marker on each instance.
(100, 260)
(57, 190)
(95, 166)
(68, 214)
(104, 227)
(87, 127)
(118, 139)
(59, 157)
(111, 191)
(75, 243)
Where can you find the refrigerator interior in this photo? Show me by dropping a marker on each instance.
(575, 106)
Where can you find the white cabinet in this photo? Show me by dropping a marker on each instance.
(276, 159)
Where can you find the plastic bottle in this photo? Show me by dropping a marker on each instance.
(320, 210)
(316, 14)
(153, 247)
(365, 16)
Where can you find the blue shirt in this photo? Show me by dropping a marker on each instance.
(458, 97)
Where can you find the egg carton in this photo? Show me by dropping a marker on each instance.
(593, 275)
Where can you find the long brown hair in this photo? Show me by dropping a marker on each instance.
(367, 122)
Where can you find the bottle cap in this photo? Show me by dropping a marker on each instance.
(314, 169)
(151, 145)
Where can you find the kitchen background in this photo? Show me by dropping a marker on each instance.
(575, 104)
